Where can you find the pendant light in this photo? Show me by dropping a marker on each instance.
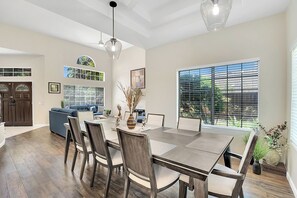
(101, 44)
(113, 46)
(215, 13)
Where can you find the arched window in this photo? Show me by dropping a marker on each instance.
(86, 60)
(3, 88)
(22, 87)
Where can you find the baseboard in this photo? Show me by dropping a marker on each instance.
(2, 143)
(293, 187)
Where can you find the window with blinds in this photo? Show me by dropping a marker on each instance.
(294, 99)
(224, 95)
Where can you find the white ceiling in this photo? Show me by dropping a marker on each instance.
(143, 23)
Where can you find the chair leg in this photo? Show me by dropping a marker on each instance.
(94, 173)
(87, 154)
(109, 172)
(82, 169)
(182, 189)
(241, 193)
(153, 194)
(126, 188)
(74, 160)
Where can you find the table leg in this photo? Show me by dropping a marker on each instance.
(201, 188)
(67, 143)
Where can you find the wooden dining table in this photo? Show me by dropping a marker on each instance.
(188, 152)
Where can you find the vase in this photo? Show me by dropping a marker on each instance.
(273, 157)
(131, 123)
(257, 168)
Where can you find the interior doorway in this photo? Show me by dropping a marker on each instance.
(16, 104)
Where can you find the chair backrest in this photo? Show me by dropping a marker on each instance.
(155, 119)
(76, 132)
(193, 124)
(248, 153)
(127, 114)
(97, 140)
(137, 156)
(85, 115)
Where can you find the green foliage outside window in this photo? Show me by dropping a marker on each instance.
(85, 60)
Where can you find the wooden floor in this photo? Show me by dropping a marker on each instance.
(31, 165)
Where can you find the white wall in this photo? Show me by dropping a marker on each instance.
(130, 59)
(291, 43)
(56, 53)
(264, 39)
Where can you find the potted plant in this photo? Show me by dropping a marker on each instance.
(261, 149)
(276, 142)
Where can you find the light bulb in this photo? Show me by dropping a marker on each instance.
(215, 9)
(113, 48)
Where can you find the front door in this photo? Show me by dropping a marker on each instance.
(16, 102)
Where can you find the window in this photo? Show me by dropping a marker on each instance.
(85, 60)
(15, 72)
(294, 99)
(224, 95)
(81, 95)
(73, 72)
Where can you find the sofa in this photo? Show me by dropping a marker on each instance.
(58, 116)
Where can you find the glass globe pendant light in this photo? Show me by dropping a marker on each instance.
(113, 46)
(215, 13)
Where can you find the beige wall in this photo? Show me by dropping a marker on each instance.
(132, 58)
(55, 54)
(291, 43)
(264, 39)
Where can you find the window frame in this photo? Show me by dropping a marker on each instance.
(213, 66)
(293, 133)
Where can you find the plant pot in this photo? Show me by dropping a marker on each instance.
(272, 157)
(131, 123)
(257, 168)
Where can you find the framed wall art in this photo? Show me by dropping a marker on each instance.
(137, 78)
(54, 88)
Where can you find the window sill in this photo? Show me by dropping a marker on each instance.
(224, 129)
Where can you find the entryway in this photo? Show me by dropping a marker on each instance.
(16, 103)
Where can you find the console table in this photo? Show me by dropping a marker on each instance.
(2, 136)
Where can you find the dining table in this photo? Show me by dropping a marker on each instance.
(188, 152)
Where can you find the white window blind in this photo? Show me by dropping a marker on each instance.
(294, 98)
(225, 95)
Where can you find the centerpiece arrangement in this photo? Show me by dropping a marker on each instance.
(133, 96)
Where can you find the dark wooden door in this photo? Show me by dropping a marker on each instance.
(16, 103)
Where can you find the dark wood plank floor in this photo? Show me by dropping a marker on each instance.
(31, 165)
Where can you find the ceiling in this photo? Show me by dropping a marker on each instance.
(143, 23)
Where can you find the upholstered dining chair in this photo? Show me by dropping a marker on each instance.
(155, 119)
(81, 146)
(224, 181)
(85, 115)
(102, 153)
(193, 124)
(139, 167)
(127, 114)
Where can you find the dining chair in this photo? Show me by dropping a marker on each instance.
(81, 146)
(85, 115)
(102, 153)
(127, 114)
(139, 167)
(224, 181)
(193, 124)
(155, 119)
